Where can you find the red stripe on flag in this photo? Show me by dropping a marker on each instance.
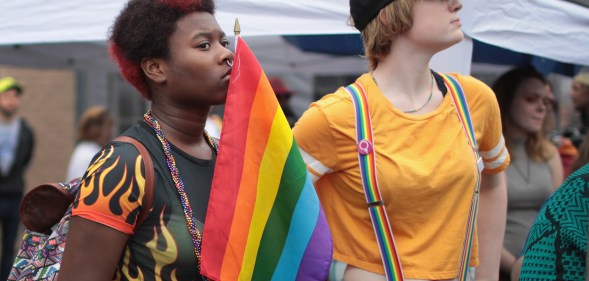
(231, 156)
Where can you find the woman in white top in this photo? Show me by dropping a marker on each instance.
(94, 131)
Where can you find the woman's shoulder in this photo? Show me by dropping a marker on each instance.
(123, 153)
(479, 96)
(569, 205)
(472, 86)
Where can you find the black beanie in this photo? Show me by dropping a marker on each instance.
(363, 11)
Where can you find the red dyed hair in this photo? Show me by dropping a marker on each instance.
(143, 30)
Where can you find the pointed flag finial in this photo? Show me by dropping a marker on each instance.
(236, 27)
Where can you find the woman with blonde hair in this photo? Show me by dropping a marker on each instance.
(94, 131)
(427, 165)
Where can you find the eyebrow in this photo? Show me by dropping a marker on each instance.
(209, 34)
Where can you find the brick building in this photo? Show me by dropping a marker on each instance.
(48, 105)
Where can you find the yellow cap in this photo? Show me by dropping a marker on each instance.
(8, 83)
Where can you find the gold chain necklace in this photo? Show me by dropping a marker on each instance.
(431, 93)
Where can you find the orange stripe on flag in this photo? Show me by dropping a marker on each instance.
(261, 119)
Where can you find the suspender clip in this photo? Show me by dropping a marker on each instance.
(374, 204)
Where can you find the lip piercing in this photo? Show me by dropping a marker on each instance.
(229, 63)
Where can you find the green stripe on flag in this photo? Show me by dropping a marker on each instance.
(273, 239)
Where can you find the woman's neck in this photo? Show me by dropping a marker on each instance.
(404, 71)
(181, 127)
(516, 133)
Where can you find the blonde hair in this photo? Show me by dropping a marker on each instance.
(377, 36)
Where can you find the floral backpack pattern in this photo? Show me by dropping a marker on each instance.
(41, 250)
(46, 212)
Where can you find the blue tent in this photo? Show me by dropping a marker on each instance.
(351, 44)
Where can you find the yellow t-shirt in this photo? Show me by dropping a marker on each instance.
(426, 174)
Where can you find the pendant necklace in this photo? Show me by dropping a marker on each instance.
(179, 184)
(526, 176)
(431, 93)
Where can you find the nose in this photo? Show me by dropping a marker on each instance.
(227, 57)
(455, 5)
(542, 105)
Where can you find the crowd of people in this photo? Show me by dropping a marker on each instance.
(437, 162)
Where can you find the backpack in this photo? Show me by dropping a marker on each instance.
(46, 211)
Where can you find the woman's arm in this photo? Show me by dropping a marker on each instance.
(556, 170)
(491, 224)
(516, 268)
(92, 251)
(507, 261)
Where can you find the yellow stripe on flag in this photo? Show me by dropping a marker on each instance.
(277, 150)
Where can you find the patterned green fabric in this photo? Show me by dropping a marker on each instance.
(557, 242)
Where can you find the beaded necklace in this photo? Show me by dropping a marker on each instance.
(179, 184)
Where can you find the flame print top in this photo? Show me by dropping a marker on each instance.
(112, 193)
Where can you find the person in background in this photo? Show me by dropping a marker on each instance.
(579, 94)
(425, 165)
(283, 94)
(176, 55)
(583, 157)
(214, 125)
(16, 150)
(535, 170)
(566, 149)
(556, 247)
(94, 131)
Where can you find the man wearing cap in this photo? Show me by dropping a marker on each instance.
(16, 149)
(580, 97)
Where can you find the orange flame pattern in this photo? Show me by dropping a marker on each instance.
(110, 193)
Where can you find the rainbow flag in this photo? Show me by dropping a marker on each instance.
(264, 220)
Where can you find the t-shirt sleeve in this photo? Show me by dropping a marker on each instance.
(485, 113)
(314, 136)
(112, 191)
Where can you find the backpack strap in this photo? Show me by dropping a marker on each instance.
(149, 176)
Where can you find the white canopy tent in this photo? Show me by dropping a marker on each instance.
(554, 29)
(72, 34)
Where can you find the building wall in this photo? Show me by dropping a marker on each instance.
(48, 105)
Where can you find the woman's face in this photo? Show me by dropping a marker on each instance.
(579, 95)
(436, 24)
(529, 106)
(197, 71)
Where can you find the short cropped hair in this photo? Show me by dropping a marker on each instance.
(377, 36)
(143, 30)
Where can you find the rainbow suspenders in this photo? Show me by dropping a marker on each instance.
(376, 207)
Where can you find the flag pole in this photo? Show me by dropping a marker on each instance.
(236, 27)
(236, 31)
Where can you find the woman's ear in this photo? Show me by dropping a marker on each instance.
(154, 69)
(383, 17)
